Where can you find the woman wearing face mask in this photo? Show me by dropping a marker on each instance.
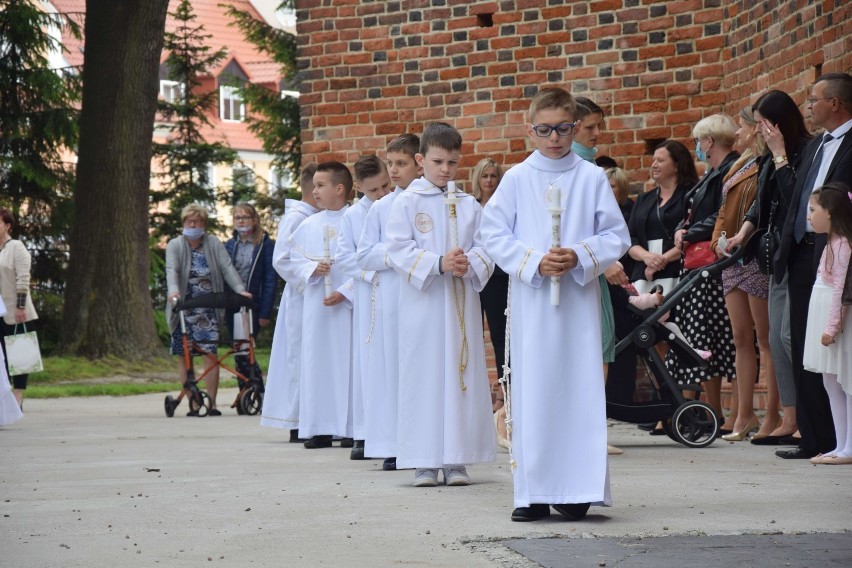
(198, 264)
(702, 316)
(250, 250)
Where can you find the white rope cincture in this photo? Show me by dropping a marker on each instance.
(505, 379)
(373, 291)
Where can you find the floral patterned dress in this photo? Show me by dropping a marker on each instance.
(202, 326)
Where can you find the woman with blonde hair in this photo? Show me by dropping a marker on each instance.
(197, 264)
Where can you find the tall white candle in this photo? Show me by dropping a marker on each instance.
(326, 253)
(452, 199)
(554, 194)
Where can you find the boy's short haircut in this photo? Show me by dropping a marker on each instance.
(408, 144)
(340, 174)
(585, 107)
(553, 98)
(307, 175)
(440, 135)
(368, 166)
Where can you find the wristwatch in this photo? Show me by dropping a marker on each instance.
(780, 159)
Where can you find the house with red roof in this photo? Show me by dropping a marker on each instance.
(243, 61)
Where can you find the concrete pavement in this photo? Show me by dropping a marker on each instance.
(113, 482)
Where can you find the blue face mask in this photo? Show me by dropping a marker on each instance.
(584, 152)
(699, 153)
(193, 232)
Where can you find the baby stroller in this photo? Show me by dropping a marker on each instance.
(249, 400)
(689, 422)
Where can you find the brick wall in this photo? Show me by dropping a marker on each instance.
(372, 70)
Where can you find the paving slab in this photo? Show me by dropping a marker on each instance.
(109, 481)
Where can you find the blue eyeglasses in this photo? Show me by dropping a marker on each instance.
(545, 130)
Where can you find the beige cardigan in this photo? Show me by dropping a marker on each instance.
(15, 264)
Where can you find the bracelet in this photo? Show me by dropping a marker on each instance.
(21, 302)
(440, 262)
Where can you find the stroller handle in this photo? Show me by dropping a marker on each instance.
(685, 285)
(216, 300)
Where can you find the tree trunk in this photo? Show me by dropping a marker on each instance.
(108, 308)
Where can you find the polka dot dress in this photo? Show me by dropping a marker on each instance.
(703, 319)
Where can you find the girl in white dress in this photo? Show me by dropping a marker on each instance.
(828, 350)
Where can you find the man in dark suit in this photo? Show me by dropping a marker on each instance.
(828, 157)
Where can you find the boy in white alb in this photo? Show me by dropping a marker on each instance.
(371, 178)
(444, 399)
(281, 399)
(325, 378)
(557, 401)
(382, 345)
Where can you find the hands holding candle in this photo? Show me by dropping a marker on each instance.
(557, 262)
(456, 262)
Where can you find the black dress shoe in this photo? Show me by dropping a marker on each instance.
(573, 511)
(534, 512)
(347, 443)
(357, 452)
(389, 464)
(318, 442)
(767, 440)
(789, 441)
(795, 454)
(294, 436)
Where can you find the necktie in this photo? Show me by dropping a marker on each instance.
(801, 226)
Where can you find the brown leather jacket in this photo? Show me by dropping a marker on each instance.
(736, 201)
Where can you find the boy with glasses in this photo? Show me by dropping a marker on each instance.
(557, 404)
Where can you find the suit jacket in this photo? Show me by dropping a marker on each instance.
(840, 170)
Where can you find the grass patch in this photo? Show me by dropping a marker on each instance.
(78, 376)
(62, 390)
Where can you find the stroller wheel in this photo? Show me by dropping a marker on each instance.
(199, 403)
(251, 400)
(695, 424)
(170, 404)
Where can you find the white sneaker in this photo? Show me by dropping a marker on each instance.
(425, 477)
(456, 475)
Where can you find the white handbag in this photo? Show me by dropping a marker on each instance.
(23, 353)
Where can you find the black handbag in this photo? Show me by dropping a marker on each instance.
(768, 244)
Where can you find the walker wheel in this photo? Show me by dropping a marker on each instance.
(199, 402)
(251, 400)
(170, 404)
(695, 424)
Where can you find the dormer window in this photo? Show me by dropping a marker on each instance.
(171, 91)
(231, 106)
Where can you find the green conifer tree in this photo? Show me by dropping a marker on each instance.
(185, 157)
(38, 126)
(275, 118)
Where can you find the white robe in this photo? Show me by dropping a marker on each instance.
(347, 260)
(325, 379)
(558, 403)
(281, 399)
(382, 389)
(10, 412)
(438, 423)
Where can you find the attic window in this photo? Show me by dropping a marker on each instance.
(171, 91)
(485, 20)
(231, 106)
